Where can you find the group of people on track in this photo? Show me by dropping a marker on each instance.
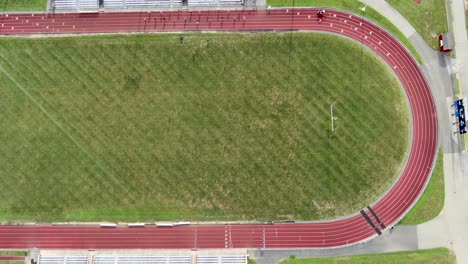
(320, 15)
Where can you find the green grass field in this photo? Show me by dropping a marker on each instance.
(354, 7)
(431, 202)
(23, 5)
(428, 18)
(222, 127)
(13, 253)
(430, 256)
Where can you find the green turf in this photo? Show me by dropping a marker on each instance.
(221, 127)
(13, 253)
(428, 18)
(23, 5)
(354, 7)
(431, 202)
(430, 256)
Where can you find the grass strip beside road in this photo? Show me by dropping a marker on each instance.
(431, 202)
(429, 256)
(428, 18)
(354, 7)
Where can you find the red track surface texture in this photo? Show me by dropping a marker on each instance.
(324, 234)
(11, 258)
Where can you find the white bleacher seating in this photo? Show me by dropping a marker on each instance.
(141, 259)
(76, 4)
(88, 4)
(194, 3)
(65, 4)
(123, 4)
(152, 3)
(222, 259)
(115, 4)
(62, 259)
(202, 3)
(230, 2)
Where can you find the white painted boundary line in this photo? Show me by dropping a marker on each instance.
(181, 223)
(165, 224)
(137, 224)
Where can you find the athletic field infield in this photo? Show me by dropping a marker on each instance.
(213, 127)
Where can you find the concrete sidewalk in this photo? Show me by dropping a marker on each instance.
(449, 228)
(461, 42)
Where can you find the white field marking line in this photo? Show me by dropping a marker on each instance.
(50, 117)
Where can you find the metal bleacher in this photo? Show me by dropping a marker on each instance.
(124, 4)
(214, 3)
(63, 259)
(65, 4)
(141, 259)
(222, 259)
(152, 3)
(88, 4)
(76, 4)
(196, 3)
(230, 2)
(115, 4)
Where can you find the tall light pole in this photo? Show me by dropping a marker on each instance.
(333, 128)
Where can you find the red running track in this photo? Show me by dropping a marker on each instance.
(11, 258)
(351, 229)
